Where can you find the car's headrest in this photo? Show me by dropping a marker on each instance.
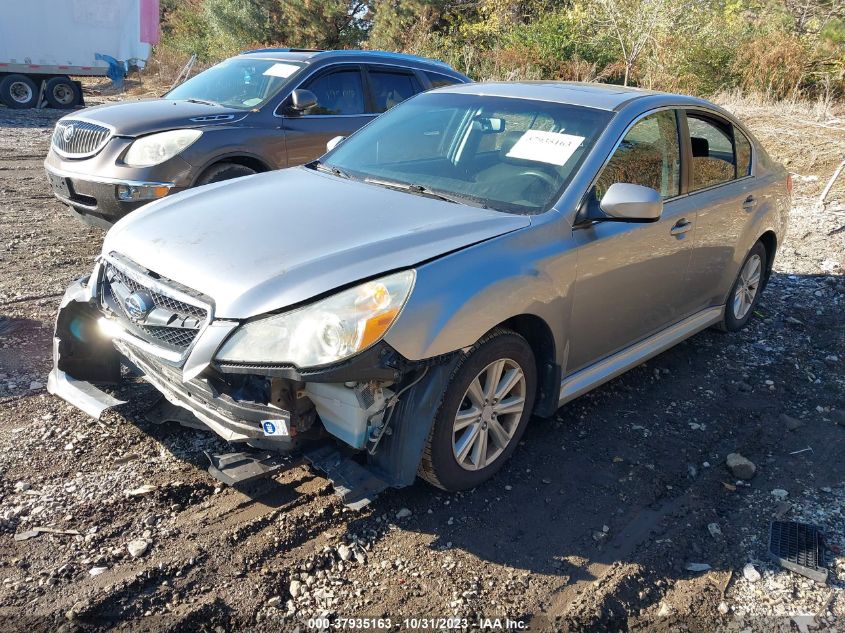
(700, 146)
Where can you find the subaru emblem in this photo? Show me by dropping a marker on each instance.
(67, 134)
(138, 305)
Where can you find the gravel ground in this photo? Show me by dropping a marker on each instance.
(593, 525)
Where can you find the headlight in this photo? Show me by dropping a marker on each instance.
(326, 331)
(157, 148)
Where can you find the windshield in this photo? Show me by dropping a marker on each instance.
(514, 155)
(237, 83)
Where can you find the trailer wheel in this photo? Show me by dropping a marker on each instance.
(18, 91)
(62, 93)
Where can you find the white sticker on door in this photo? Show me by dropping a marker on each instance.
(281, 70)
(554, 148)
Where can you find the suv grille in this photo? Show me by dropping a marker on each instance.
(167, 322)
(79, 139)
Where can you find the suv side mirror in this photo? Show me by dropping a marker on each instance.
(334, 143)
(627, 202)
(302, 100)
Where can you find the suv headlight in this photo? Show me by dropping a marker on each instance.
(157, 148)
(326, 331)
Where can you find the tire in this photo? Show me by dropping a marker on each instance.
(452, 460)
(18, 92)
(62, 93)
(223, 171)
(739, 306)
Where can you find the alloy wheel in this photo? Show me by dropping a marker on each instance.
(489, 414)
(747, 286)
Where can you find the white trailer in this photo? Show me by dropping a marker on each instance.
(43, 43)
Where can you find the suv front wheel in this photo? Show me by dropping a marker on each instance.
(483, 414)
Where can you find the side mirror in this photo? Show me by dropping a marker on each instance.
(302, 100)
(334, 143)
(627, 202)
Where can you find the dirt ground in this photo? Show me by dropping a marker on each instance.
(591, 526)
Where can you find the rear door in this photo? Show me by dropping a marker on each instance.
(631, 278)
(391, 85)
(343, 106)
(725, 193)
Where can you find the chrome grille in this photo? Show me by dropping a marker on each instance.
(79, 139)
(172, 324)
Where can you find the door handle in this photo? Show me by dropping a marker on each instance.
(681, 227)
(749, 203)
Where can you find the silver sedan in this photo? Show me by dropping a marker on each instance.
(477, 254)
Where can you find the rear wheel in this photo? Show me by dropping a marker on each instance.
(224, 171)
(18, 91)
(62, 93)
(483, 414)
(746, 290)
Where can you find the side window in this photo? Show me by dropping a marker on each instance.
(649, 155)
(713, 160)
(743, 153)
(438, 81)
(338, 92)
(390, 88)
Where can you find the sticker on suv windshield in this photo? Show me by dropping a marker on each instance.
(554, 148)
(281, 70)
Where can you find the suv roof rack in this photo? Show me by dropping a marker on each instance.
(282, 50)
(387, 54)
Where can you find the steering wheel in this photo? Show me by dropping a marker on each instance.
(550, 182)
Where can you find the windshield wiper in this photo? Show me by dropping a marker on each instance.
(204, 102)
(425, 191)
(328, 169)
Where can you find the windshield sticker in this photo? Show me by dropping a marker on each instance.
(281, 70)
(554, 148)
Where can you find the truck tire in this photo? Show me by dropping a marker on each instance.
(62, 93)
(18, 91)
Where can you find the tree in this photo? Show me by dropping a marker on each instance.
(634, 24)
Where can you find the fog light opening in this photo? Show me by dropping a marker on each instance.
(134, 193)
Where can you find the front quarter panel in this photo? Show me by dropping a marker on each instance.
(459, 297)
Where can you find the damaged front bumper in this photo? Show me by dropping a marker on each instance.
(376, 402)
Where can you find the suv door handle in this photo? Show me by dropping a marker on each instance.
(749, 203)
(681, 227)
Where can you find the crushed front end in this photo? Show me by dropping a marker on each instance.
(126, 316)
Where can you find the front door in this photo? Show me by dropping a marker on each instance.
(342, 108)
(631, 277)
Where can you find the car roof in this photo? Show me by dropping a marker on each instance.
(309, 55)
(590, 95)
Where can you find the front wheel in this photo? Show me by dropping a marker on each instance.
(223, 171)
(18, 91)
(483, 414)
(746, 290)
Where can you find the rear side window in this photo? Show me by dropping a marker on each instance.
(392, 88)
(649, 155)
(743, 153)
(338, 92)
(713, 159)
(438, 81)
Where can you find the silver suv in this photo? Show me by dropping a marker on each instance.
(477, 254)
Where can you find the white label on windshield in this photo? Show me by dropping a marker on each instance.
(281, 70)
(554, 148)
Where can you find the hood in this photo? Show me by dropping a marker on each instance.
(133, 118)
(272, 240)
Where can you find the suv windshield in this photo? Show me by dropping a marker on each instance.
(513, 155)
(237, 83)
